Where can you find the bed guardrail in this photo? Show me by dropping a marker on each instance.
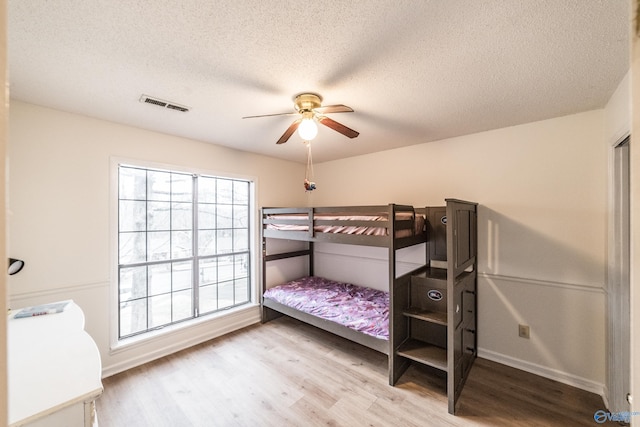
(307, 223)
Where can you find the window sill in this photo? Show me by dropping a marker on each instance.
(236, 316)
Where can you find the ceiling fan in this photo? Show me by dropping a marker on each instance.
(309, 106)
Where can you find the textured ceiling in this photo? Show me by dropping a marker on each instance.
(413, 71)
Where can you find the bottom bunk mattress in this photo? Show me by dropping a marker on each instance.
(359, 308)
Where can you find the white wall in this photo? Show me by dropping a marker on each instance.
(635, 218)
(60, 209)
(542, 231)
(4, 120)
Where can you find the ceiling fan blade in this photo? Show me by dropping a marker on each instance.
(338, 108)
(290, 130)
(271, 115)
(338, 127)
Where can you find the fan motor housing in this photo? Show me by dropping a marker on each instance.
(307, 101)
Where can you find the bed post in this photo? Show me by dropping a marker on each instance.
(266, 313)
(392, 282)
(263, 264)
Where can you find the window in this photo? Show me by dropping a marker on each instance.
(183, 247)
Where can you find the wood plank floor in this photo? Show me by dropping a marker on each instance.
(286, 373)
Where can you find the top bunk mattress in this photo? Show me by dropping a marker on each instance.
(362, 309)
(342, 225)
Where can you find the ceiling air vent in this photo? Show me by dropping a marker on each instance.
(164, 104)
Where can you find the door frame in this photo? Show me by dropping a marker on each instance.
(618, 280)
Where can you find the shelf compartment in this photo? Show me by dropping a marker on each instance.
(428, 316)
(431, 273)
(424, 353)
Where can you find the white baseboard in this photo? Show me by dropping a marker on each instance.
(543, 371)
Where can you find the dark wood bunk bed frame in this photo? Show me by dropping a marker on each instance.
(421, 329)
(272, 309)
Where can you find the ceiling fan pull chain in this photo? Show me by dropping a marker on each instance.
(309, 185)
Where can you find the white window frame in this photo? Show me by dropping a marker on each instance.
(121, 344)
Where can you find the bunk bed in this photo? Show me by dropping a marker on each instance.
(389, 226)
(428, 316)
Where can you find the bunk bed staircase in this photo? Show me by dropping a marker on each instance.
(435, 313)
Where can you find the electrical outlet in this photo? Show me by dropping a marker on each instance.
(523, 331)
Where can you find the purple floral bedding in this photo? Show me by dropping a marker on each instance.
(364, 309)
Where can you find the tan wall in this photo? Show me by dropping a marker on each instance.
(62, 221)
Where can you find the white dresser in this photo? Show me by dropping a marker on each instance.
(54, 371)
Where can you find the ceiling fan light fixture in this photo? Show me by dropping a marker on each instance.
(308, 129)
(309, 107)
